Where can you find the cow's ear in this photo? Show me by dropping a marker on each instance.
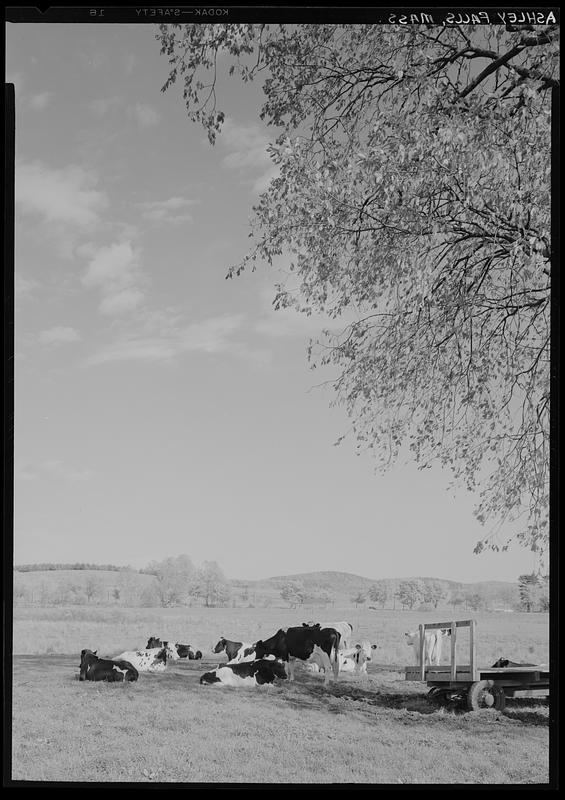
(95, 652)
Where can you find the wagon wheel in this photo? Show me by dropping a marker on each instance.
(485, 694)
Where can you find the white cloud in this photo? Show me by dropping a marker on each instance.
(121, 302)
(58, 335)
(112, 267)
(101, 105)
(212, 336)
(52, 469)
(115, 271)
(130, 62)
(24, 287)
(145, 114)
(248, 152)
(59, 195)
(164, 210)
(40, 101)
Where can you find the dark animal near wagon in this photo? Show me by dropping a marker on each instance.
(93, 668)
(183, 650)
(247, 673)
(301, 643)
(502, 663)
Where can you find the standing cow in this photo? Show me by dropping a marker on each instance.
(301, 643)
(433, 642)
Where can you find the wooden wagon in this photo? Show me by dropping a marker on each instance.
(471, 686)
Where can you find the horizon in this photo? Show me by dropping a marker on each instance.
(125, 567)
(158, 407)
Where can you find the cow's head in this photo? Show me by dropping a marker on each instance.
(86, 656)
(171, 650)
(220, 646)
(154, 642)
(161, 656)
(274, 645)
(411, 637)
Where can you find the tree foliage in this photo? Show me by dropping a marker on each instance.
(293, 593)
(175, 579)
(413, 203)
(409, 593)
(211, 585)
(534, 592)
(378, 593)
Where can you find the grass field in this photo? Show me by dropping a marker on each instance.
(168, 728)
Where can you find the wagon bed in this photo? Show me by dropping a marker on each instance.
(472, 686)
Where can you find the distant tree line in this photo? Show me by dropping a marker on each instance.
(531, 593)
(52, 567)
(177, 582)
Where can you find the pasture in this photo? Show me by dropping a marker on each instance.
(168, 728)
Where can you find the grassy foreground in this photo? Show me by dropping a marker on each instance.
(168, 728)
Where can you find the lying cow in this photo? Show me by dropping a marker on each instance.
(248, 673)
(504, 662)
(301, 643)
(235, 651)
(153, 659)
(345, 630)
(433, 641)
(183, 650)
(112, 670)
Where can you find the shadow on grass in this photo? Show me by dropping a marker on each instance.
(378, 692)
(338, 698)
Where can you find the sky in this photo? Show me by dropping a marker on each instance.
(161, 409)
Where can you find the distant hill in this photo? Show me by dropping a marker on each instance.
(52, 583)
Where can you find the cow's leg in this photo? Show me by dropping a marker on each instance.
(328, 666)
(289, 666)
(335, 664)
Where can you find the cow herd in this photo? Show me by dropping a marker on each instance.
(328, 648)
(322, 647)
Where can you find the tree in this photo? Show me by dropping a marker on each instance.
(378, 594)
(293, 593)
(175, 579)
(409, 592)
(475, 601)
(413, 202)
(93, 588)
(433, 591)
(534, 592)
(359, 599)
(458, 599)
(211, 585)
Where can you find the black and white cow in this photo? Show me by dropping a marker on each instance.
(345, 630)
(301, 643)
(183, 650)
(112, 670)
(246, 673)
(153, 659)
(235, 651)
